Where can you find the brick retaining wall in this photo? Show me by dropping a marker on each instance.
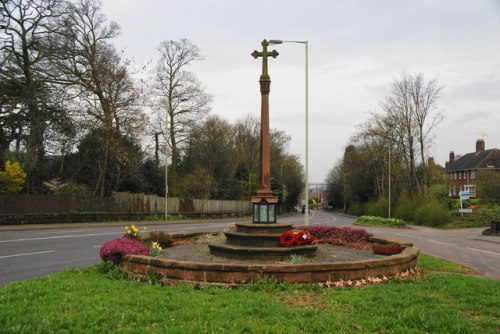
(172, 270)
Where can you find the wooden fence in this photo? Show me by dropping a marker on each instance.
(120, 202)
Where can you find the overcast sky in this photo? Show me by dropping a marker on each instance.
(356, 50)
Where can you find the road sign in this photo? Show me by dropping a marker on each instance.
(465, 210)
(464, 195)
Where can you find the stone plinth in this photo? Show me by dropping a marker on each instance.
(258, 241)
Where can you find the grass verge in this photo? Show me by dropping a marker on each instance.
(86, 300)
(431, 263)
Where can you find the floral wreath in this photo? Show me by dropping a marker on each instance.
(292, 238)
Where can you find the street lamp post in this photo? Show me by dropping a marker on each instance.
(274, 41)
(166, 169)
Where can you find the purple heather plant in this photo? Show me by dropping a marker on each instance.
(114, 249)
(339, 236)
(389, 249)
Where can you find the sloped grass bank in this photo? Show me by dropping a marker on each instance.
(85, 300)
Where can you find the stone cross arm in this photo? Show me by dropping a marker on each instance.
(257, 54)
(264, 54)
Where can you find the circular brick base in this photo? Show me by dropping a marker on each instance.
(227, 273)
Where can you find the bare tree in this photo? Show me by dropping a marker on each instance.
(410, 114)
(424, 96)
(85, 61)
(178, 96)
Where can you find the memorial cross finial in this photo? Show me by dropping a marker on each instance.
(264, 54)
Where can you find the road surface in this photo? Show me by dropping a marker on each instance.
(36, 252)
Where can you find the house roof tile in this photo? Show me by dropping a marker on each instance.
(476, 160)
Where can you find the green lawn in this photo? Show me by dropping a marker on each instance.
(85, 300)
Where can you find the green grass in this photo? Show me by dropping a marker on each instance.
(85, 300)
(431, 263)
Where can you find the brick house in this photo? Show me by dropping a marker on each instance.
(462, 171)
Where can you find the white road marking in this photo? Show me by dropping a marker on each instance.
(96, 246)
(53, 232)
(62, 237)
(407, 235)
(23, 254)
(191, 228)
(101, 234)
(440, 242)
(480, 250)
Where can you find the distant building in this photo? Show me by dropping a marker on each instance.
(462, 172)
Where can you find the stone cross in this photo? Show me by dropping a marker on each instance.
(264, 54)
(265, 193)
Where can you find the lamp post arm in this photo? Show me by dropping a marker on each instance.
(278, 41)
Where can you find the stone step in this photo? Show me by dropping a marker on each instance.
(251, 228)
(247, 239)
(256, 253)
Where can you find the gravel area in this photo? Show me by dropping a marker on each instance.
(199, 252)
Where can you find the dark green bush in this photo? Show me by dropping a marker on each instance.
(356, 209)
(405, 208)
(431, 213)
(378, 208)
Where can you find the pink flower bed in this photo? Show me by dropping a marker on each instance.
(387, 249)
(114, 249)
(338, 236)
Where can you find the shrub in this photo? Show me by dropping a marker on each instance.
(113, 250)
(161, 237)
(388, 249)
(355, 209)
(378, 208)
(405, 208)
(482, 215)
(431, 213)
(13, 177)
(440, 192)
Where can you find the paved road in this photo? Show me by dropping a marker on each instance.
(464, 246)
(35, 252)
(38, 252)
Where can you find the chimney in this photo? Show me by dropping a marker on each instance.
(479, 145)
(452, 157)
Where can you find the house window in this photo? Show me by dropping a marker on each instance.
(472, 174)
(471, 189)
(455, 175)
